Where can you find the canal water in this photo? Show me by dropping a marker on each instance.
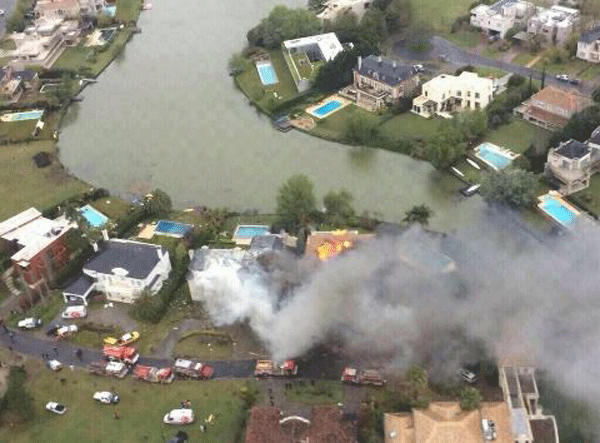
(167, 115)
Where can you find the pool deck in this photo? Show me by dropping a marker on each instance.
(344, 102)
(500, 150)
(554, 195)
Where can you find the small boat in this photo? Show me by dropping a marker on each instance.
(472, 163)
(1, 12)
(470, 190)
(457, 171)
(146, 6)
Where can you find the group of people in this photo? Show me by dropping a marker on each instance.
(186, 404)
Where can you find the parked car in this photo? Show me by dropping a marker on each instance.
(111, 341)
(55, 365)
(418, 68)
(493, 37)
(468, 376)
(562, 77)
(106, 397)
(65, 331)
(179, 417)
(57, 408)
(130, 337)
(51, 331)
(574, 81)
(30, 323)
(78, 311)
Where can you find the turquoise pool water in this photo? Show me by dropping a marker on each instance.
(249, 231)
(27, 115)
(167, 227)
(558, 211)
(327, 108)
(110, 10)
(489, 154)
(267, 74)
(94, 217)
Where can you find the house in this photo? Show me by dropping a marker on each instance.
(449, 93)
(499, 17)
(552, 107)
(37, 247)
(11, 87)
(302, 54)
(327, 244)
(68, 9)
(327, 424)
(379, 81)
(529, 424)
(336, 8)
(569, 166)
(43, 43)
(122, 269)
(444, 422)
(588, 47)
(554, 25)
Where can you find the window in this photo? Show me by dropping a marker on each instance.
(425, 93)
(477, 105)
(458, 93)
(477, 95)
(468, 93)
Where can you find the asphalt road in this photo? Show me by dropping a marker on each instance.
(8, 6)
(459, 57)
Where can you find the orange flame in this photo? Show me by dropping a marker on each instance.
(331, 248)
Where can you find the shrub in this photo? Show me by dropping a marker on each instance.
(17, 401)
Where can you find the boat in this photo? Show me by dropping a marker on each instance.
(457, 171)
(146, 6)
(472, 163)
(468, 191)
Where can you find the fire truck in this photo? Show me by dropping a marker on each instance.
(268, 368)
(111, 369)
(367, 377)
(124, 354)
(154, 374)
(192, 369)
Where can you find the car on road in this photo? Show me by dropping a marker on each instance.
(111, 341)
(55, 407)
(65, 331)
(418, 68)
(179, 417)
(129, 338)
(106, 397)
(562, 77)
(78, 311)
(467, 376)
(30, 323)
(55, 365)
(574, 81)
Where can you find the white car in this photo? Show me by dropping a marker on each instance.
(30, 323)
(562, 77)
(55, 365)
(179, 417)
(468, 376)
(106, 397)
(78, 311)
(57, 408)
(64, 331)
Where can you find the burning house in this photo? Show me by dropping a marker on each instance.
(325, 245)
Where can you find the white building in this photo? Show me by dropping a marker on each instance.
(588, 47)
(554, 25)
(569, 165)
(336, 8)
(499, 17)
(121, 269)
(68, 9)
(448, 93)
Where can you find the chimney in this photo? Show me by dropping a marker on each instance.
(105, 234)
(359, 62)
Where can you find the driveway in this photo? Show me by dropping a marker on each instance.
(457, 56)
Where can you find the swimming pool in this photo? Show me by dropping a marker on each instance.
(559, 210)
(110, 10)
(249, 231)
(94, 217)
(493, 156)
(171, 228)
(327, 108)
(18, 116)
(267, 74)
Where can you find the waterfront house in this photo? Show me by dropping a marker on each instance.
(336, 8)
(121, 269)
(499, 17)
(554, 25)
(569, 166)
(37, 248)
(552, 107)
(11, 87)
(68, 9)
(450, 93)
(379, 81)
(588, 46)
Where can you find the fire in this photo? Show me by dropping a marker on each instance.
(331, 248)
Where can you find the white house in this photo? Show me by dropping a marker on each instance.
(335, 8)
(499, 17)
(569, 165)
(588, 47)
(448, 93)
(68, 9)
(554, 25)
(121, 269)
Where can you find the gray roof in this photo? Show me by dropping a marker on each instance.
(497, 7)
(79, 286)
(595, 137)
(590, 36)
(385, 70)
(139, 259)
(543, 430)
(270, 242)
(26, 75)
(572, 149)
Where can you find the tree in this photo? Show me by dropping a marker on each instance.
(336, 73)
(447, 145)
(345, 26)
(511, 33)
(157, 203)
(296, 202)
(418, 214)
(362, 129)
(238, 64)
(398, 15)
(571, 45)
(316, 5)
(65, 88)
(373, 27)
(580, 126)
(284, 23)
(596, 95)
(338, 208)
(416, 376)
(512, 187)
(470, 398)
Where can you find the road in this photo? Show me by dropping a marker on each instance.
(7, 6)
(458, 56)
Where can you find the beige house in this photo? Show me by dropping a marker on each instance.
(444, 422)
(379, 81)
(569, 165)
(449, 93)
(499, 17)
(588, 47)
(552, 107)
(68, 9)
(554, 25)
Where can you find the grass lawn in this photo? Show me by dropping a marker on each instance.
(141, 409)
(46, 309)
(93, 339)
(523, 58)
(113, 207)
(204, 346)
(8, 44)
(471, 174)
(334, 126)
(590, 73)
(23, 185)
(128, 10)
(81, 58)
(491, 72)
(17, 131)
(409, 125)
(491, 52)
(590, 197)
(315, 392)
(437, 15)
(464, 38)
(516, 136)
(576, 68)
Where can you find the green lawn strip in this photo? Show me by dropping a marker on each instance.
(334, 125)
(46, 309)
(23, 184)
(491, 52)
(141, 409)
(412, 126)
(591, 72)
(570, 67)
(523, 58)
(204, 346)
(128, 10)
(463, 38)
(93, 339)
(8, 43)
(113, 207)
(517, 136)
(491, 72)
(589, 198)
(437, 15)
(18, 130)
(315, 392)
(471, 174)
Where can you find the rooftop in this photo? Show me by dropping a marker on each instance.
(569, 100)
(572, 149)
(80, 286)
(590, 36)
(326, 244)
(205, 258)
(544, 430)
(595, 137)
(328, 44)
(385, 70)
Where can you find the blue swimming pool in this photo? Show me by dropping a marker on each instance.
(94, 217)
(327, 108)
(559, 212)
(171, 228)
(267, 74)
(26, 115)
(490, 155)
(249, 231)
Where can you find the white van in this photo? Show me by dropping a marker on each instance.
(179, 417)
(489, 429)
(78, 311)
